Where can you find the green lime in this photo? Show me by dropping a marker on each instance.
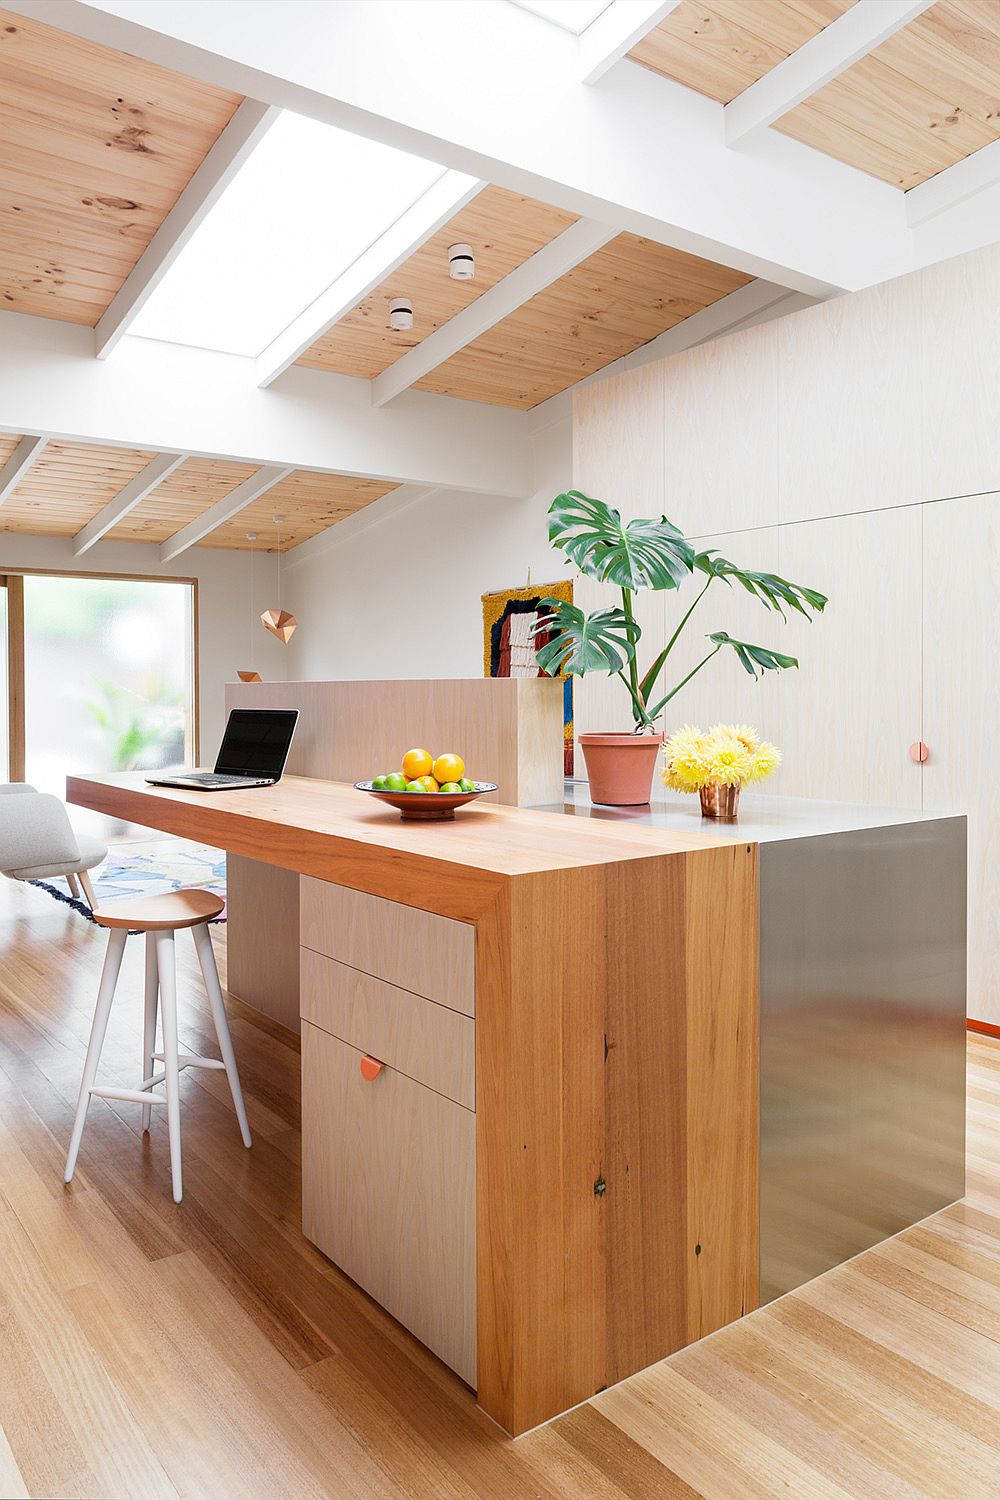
(451, 786)
(416, 786)
(466, 786)
(378, 785)
(395, 782)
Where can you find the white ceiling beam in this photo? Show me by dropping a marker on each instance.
(442, 200)
(222, 511)
(246, 128)
(540, 270)
(126, 500)
(27, 452)
(966, 179)
(613, 34)
(160, 398)
(861, 28)
(492, 80)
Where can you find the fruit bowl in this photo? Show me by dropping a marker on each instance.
(427, 804)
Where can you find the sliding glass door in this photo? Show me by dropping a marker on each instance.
(109, 678)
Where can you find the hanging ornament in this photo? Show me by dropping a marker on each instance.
(251, 675)
(279, 621)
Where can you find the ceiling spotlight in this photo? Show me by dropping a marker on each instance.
(461, 263)
(400, 313)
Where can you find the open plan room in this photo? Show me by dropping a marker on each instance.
(499, 814)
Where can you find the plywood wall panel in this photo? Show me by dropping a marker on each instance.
(960, 359)
(849, 714)
(721, 437)
(95, 148)
(723, 691)
(851, 425)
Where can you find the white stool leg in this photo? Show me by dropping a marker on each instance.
(74, 889)
(149, 1020)
(168, 1011)
(206, 957)
(88, 889)
(105, 995)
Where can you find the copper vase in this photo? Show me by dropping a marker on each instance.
(720, 802)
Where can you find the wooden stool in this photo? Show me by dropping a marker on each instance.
(159, 917)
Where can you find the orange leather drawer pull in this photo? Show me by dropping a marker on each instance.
(370, 1068)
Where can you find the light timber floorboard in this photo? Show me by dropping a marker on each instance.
(208, 1350)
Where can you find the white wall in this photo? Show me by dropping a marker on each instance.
(223, 605)
(397, 593)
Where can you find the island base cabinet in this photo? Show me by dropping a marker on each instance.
(389, 1193)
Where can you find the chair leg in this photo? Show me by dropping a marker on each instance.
(88, 889)
(74, 889)
(149, 1020)
(105, 995)
(206, 957)
(166, 966)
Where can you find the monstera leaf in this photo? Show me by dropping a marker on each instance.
(767, 588)
(643, 554)
(752, 657)
(600, 642)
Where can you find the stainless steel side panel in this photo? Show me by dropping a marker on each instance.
(862, 997)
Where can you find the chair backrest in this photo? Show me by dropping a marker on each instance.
(15, 786)
(34, 831)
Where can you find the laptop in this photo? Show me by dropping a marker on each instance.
(253, 753)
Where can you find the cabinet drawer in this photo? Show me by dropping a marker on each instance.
(429, 1043)
(389, 1193)
(418, 950)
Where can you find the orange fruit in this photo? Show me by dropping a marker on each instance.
(417, 763)
(449, 768)
(428, 783)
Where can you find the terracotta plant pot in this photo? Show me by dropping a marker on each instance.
(620, 767)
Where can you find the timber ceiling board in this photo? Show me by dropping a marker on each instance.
(308, 502)
(95, 148)
(66, 487)
(925, 99)
(503, 228)
(722, 47)
(612, 303)
(183, 496)
(8, 442)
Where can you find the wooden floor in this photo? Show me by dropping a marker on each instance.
(207, 1350)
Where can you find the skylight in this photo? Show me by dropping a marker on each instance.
(571, 15)
(305, 204)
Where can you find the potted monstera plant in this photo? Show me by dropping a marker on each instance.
(634, 555)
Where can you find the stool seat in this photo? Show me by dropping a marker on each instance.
(168, 912)
(160, 917)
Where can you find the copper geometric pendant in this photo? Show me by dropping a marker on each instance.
(280, 623)
(248, 676)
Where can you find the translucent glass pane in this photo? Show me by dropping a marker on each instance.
(109, 682)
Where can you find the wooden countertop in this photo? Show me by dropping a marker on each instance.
(327, 829)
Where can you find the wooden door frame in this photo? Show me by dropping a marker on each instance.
(13, 580)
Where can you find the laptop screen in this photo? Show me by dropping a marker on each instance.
(256, 741)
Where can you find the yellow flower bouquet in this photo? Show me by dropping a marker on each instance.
(717, 764)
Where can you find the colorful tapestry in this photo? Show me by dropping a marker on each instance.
(165, 867)
(509, 647)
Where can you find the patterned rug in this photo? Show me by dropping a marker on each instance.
(158, 868)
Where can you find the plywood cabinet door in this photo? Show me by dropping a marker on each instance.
(389, 1193)
(962, 711)
(847, 716)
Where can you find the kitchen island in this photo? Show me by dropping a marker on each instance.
(532, 1119)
